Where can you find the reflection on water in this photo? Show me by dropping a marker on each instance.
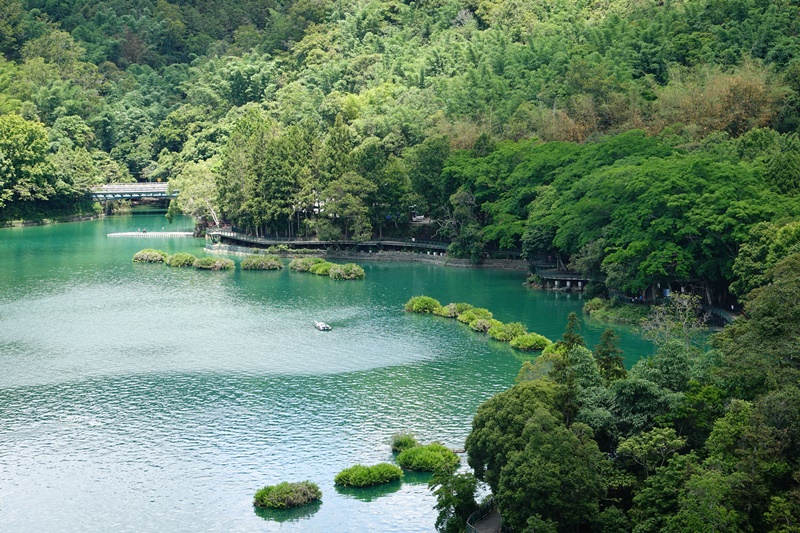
(368, 494)
(181, 392)
(293, 514)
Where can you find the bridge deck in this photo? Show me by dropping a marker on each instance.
(123, 191)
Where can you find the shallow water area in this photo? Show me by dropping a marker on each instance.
(138, 397)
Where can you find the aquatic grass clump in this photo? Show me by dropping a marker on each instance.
(507, 332)
(304, 264)
(367, 476)
(149, 255)
(428, 458)
(180, 259)
(447, 311)
(403, 441)
(473, 314)
(346, 271)
(481, 325)
(422, 304)
(285, 495)
(214, 263)
(261, 262)
(321, 269)
(531, 342)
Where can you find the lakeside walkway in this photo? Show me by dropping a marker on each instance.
(149, 234)
(491, 523)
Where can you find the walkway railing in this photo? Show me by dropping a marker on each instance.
(484, 511)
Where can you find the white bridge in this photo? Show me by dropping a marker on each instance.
(130, 191)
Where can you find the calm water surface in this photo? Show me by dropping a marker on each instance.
(143, 398)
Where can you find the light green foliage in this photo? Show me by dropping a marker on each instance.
(304, 264)
(530, 342)
(180, 259)
(428, 458)
(149, 255)
(366, 476)
(616, 311)
(680, 319)
(214, 263)
(507, 332)
(261, 262)
(447, 311)
(403, 441)
(346, 271)
(322, 268)
(285, 495)
(651, 449)
(483, 325)
(422, 304)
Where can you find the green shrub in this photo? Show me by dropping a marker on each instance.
(214, 263)
(429, 458)
(531, 342)
(304, 264)
(321, 269)
(507, 332)
(593, 305)
(403, 441)
(447, 311)
(148, 255)
(346, 271)
(422, 304)
(462, 307)
(285, 495)
(180, 259)
(473, 314)
(261, 262)
(482, 325)
(366, 476)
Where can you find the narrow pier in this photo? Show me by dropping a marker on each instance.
(150, 234)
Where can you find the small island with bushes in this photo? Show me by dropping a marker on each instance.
(182, 260)
(368, 476)
(261, 262)
(286, 495)
(481, 320)
(320, 267)
(428, 458)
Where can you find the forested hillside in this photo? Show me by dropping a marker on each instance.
(644, 141)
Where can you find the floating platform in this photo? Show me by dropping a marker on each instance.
(143, 234)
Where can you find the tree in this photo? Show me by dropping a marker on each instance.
(571, 337)
(26, 173)
(455, 500)
(651, 449)
(346, 201)
(680, 319)
(609, 357)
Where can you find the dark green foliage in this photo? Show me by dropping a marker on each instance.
(261, 262)
(403, 441)
(422, 304)
(367, 476)
(428, 458)
(214, 263)
(149, 255)
(285, 495)
(346, 271)
(609, 357)
(571, 337)
(180, 259)
(455, 500)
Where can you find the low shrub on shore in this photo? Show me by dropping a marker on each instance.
(214, 263)
(304, 264)
(403, 441)
(531, 342)
(616, 311)
(474, 314)
(346, 272)
(507, 332)
(367, 476)
(180, 259)
(452, 310)
(149, 255)
(428, 458)
(285, 495)
(261, 262)
(422, 304)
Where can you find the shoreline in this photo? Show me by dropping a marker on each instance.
(517, 265)
(49, 221)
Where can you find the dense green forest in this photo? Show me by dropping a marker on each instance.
(644, 142)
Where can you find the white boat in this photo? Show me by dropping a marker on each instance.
(322, 326)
